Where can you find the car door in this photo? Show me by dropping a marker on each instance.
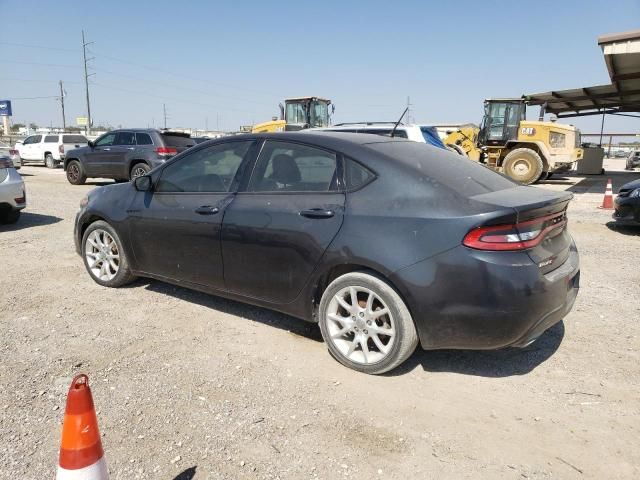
(96, 159)
(175, 229)
(276, 230)
(31, 147)
(123, 145)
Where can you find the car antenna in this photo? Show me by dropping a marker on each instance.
(398, 122)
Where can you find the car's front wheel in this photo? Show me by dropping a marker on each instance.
(138, 170)
(104, 257)
(366, 324)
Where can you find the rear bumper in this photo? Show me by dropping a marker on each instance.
(467, 299)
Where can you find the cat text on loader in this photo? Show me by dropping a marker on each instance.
(527, 151)
(298, 114)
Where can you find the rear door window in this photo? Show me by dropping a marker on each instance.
(143, 139)
(291, 167)
(125, 138)
(74, 139)
(51, 139)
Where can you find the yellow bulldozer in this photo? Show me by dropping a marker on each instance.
(527, 151)
(297, 114)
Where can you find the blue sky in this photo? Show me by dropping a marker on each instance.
(231, 63)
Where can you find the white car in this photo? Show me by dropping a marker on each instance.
(415, 133)
(49, 149)
(13, 196)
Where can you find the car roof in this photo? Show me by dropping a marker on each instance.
(364, 126)
(323, 138)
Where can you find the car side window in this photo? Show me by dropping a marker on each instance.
(51, 139)
(143, 139)
(36, 139)
(28, 141)
(290, 167)
(210, 169)
(125, 138)
(356, 175)
(106, 140)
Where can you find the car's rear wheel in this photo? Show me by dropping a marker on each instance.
(366, 324)
(523, 165)
(49, 161)
(8, 216)
(104, 257)
(138, 170)
(75, 175)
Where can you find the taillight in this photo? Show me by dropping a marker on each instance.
(21, 199)
(6, 163)
(61, 148)
(166, 151)
(13, 152)
(517, 236)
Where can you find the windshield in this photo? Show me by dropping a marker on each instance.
(319, 114)
(296, 113)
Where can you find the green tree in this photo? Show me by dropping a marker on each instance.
(33, 126)
(17, 126)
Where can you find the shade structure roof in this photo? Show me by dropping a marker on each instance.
(622, 56)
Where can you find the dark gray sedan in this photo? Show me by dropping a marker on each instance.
(386, 243)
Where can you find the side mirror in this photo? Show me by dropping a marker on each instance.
(143, 184)
(90, 143)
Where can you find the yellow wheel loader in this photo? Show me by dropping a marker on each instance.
(298, 114)
(527, 151)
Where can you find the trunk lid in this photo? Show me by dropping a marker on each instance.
(528, 205)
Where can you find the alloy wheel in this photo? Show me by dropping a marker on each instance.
(73, 171)
(102, 255)
(138, 172)
(360, 325)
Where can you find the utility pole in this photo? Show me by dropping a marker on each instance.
(64, 120)
(86, 81)
(164, 112)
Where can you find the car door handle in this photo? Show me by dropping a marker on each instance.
(106, 149)
(317, 213)
(207, 210)
(130, 148)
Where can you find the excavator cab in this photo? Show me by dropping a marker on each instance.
(501, 121)
(306, 112)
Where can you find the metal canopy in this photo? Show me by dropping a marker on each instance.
(622, 57)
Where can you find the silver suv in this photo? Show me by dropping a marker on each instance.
(12, 192)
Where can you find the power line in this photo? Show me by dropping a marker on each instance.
(38, 46)
(19, 62)
(33, 98)
(32, 80)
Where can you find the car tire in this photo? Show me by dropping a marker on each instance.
(9, 216)
(75, 174)
(103, 256)
(138, 170)
(49, 161)
(523, 165)
(349, 332)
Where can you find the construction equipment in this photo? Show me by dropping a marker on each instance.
(527, 151)
(297, 114)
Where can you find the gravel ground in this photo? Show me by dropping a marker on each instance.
(193, 386)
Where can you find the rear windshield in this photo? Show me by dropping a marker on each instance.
(465, 176)
(177, 140)
(74, 139)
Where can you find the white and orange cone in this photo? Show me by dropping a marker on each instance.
(607, 202)
(81, 454)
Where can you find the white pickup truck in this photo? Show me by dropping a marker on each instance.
(48, 149)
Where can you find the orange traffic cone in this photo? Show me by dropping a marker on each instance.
(81, 454)
(607, 202)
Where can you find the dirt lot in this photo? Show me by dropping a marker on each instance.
(186, 382)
